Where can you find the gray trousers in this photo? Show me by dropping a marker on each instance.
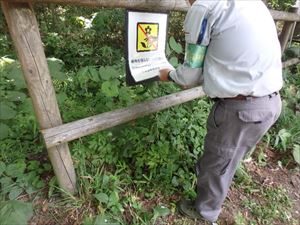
(233, 128)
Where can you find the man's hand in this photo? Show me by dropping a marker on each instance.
(164, 73)
(163, 76)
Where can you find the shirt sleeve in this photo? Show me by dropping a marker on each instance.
(197, 37)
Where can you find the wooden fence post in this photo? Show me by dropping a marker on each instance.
(286, 32)
(24, 31)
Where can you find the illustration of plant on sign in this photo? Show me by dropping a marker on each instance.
(147, 36)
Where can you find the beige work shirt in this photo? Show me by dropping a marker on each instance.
(243, 52)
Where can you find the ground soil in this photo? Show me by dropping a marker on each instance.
(270, 175)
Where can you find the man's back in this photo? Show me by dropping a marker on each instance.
(243, 56)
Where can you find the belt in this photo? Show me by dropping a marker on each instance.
(243, 97)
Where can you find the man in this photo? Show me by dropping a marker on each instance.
(233, 49)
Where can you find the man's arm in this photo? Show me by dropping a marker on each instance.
(197, 31)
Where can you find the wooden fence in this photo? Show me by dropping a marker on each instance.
(25, 34)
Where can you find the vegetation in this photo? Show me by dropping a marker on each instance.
(130, 174)
(281, 4)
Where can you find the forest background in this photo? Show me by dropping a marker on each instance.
(133, 173)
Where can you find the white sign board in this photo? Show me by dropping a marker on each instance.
(146, 43)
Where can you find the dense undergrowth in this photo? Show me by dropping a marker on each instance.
(120, 170)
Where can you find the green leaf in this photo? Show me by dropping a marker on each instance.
(125, 95)
(108, 73)
(175, 46)
(16, 96)
(88, 220)
(103, 74)
(168, 51)
(83, 71)
(296, 153)
(38, 183)
(30, 190)
(94, 74)
(5, 62)
(33, 165)
(175, 181)
(55, 68)
(174, 61)
(16, 75)
(110, 88)
(99, 21)
(6, 112)
(83, 76)
(101, 197)
(4, 131)
(52, 186)
(15, 212)
(283, 137)
(105, 180)
(15, 192)
(15, 169)
(113, 199)
(6, 184)
(104, 219)
(161, 211)
(26, 106)
(61, 97)
(47, 166)
(2, 167)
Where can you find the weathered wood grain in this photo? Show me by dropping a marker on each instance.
(24, 31)
(154, 5)
(287, 31)
(285, 16)
(291, 62)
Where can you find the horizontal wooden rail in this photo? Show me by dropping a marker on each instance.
(155, 5)
(71, 131)
(291, 62)
(285, 16)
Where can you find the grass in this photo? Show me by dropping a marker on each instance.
(270, 204)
